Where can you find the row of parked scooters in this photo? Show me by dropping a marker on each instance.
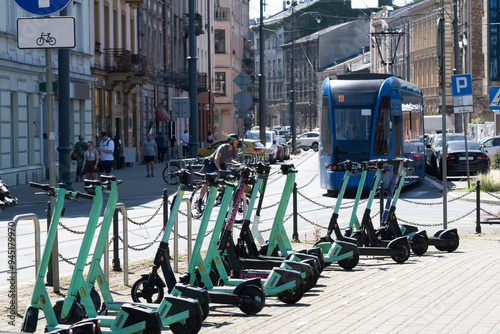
(241, 272)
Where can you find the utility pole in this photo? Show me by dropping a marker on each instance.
(442, 71)
(193, 85)
(262, 79)
(292, 84)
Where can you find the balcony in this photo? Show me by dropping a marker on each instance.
(222, 14)
(123, 66)
(180, 79)
(198, 25)
(133, 3)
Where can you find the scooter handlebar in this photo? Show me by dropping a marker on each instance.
(83, 195)
(43, 186)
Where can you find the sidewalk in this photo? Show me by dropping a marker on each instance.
(439, 292)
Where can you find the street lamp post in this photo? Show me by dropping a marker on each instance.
(292, 84)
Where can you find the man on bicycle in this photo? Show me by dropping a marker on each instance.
(217, 161)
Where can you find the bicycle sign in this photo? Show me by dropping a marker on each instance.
(46, 32)
(45, 38)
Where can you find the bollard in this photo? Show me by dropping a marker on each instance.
(116, 255)
(165, 207)
(478, 207)
(381, 192)
(295, 234)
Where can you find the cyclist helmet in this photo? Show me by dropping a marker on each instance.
(233, 136)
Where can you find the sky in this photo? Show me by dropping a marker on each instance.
(275, 6)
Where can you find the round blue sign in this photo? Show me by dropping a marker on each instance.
(42, 7)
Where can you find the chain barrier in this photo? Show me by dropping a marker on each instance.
(438, 203)
(489, 213)
(73, 263)
(437, 224)
(75, 231)
(330, 206)
(138, 249)
(492, 194)
(308, 183)
(146, 221)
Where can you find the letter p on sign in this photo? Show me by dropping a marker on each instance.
(461, 84)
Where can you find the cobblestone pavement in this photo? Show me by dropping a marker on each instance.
(439, 292)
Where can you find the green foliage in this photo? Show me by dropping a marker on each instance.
(489, 182)
(495, 162)
(476, 121)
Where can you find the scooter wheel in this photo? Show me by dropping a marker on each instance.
(75, 313)
(253, 300)
(292, 296)
(30, 320)
(191, 325)
(263, 250)
(96, 300)
(453, 242)
(403, 252)
(350, 263)
(152, 295)
(419, 245)
(205, 308)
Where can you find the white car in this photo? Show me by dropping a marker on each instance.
(308, 140)
(271, 144)
(490, 145)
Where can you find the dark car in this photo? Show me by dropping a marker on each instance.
(456, 159)
(433, 147)
(283, 149)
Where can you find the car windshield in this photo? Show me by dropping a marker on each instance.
(252, 135)
(460, 145)
(449, 138)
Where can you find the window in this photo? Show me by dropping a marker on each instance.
(326, 136)
(383, 128)
(220, 41)
(220, 83)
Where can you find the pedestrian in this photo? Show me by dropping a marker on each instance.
(210, 138)
(106, 149)
(149, 151)
(80, 149)
(161, 145)
(185, 143)
(90, 162)
(117, 151)
(217, 162)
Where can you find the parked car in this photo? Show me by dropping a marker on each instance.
(490, 145)
(271, 144)
(433, 147)
(456, 159)
(283, 149)
(308, 140)
(249, 147)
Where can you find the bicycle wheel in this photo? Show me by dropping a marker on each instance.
(169, 174)
(52, 41)
(40, 41)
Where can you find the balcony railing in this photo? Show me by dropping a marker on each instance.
(122, 60)
(222, 14)
(180, 79)
(198, 24)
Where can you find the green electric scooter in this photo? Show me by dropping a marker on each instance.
(249, 295)
(136, 319)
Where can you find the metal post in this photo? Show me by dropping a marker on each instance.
(442, 69)
(116, 255)
(295, 235)
(381, 193)
(478, 207)
(50, 277)
(123, 210)
(292, 85)
(193, 84)
(165, 207)
(262, 79)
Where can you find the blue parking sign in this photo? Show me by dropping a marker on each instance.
(42, 7)
(461, 84)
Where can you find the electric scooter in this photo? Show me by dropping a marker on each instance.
(398, 249)
(282, 281)
(6, 201)
(149, 288)
(239, 256)
(444, 240)
(278, 242)
(138, 319)
(248, 295)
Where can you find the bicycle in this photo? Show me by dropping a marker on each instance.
(45, 38)
(175, 165)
